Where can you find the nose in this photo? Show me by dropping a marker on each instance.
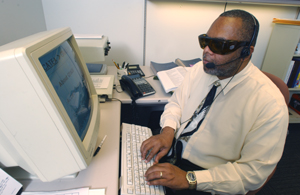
(207, 50)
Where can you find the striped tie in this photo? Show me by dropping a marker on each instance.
(194, 123)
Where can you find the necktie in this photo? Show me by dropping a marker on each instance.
(194, 123)
(200, 112)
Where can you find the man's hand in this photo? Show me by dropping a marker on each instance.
(159, 144)
(168, 175)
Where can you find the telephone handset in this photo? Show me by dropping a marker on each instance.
(136, 86)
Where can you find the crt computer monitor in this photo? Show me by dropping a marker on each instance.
(49, 111)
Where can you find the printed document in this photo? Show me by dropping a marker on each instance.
(171, 79)
(101, 82)
(79, 191)
(8, 185)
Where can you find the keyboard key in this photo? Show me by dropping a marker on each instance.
(129, 190)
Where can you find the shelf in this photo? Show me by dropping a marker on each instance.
(294, 116)
(296, 55)
(296, 89)
(286, 21)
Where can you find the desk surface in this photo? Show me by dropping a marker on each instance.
(160, 97)
(103, 172)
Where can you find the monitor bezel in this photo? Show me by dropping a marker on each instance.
(86, 146)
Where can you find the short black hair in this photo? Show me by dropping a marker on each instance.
(250, 24)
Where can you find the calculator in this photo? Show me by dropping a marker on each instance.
(135, 69)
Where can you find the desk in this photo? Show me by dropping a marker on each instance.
(148, 108)
(160, 97)
(103, 172)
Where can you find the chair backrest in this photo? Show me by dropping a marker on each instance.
(281, 85)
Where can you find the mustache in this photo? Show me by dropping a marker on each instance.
(206, 58)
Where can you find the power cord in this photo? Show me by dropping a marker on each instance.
(115, 87)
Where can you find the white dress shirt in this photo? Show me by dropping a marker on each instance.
(242, 136)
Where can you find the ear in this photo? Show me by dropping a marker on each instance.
(251, 50)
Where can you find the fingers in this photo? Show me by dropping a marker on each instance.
(161, 154)
(160, 180)
(146, 147)
(155, 175)
(150, 148)
(161, 142)
(168, 175)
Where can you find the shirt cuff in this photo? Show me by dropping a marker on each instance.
(204, 180)
(169, 123)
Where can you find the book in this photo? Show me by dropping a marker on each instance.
(295, 103)
(297, 81)
(156, 67)
(172, 74)
(292, 82)
(172, 78)
(187, 63)
(288, 73)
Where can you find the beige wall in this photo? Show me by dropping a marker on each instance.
(173, 27)
(160, 31)
(20, 18)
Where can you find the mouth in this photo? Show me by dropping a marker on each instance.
(205, 61)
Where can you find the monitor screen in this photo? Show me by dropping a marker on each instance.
(63, 70)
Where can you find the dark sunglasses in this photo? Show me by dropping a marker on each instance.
(220, 46)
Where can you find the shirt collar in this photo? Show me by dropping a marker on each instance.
(239, 77)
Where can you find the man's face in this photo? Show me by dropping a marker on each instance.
(223, 28)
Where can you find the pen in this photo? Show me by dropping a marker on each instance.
(125, 66)
(116, 64)
(99, 147)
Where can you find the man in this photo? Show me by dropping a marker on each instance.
(232, 144)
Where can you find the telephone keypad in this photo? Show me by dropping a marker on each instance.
(144, 86)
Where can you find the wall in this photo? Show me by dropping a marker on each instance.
(171, 31)
(173, 27)
(122, 21)
(20, 18)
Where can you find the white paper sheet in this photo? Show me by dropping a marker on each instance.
(8, 185)
(101, 82)
(79, 191)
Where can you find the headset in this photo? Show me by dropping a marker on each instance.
(244, 53)
(246, 50)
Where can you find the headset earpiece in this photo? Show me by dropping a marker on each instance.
(246, 50)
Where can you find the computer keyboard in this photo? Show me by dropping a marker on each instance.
(133, 168)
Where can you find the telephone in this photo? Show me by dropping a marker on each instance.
(135, 69)
(136, 86)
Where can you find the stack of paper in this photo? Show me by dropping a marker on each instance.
(79, 191)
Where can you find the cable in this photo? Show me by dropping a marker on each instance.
(225, 6)
(149, 76)
(117, 89)
(115, 99)
(217, 94)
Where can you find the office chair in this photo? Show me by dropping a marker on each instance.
(281, 85)
(286, 94)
